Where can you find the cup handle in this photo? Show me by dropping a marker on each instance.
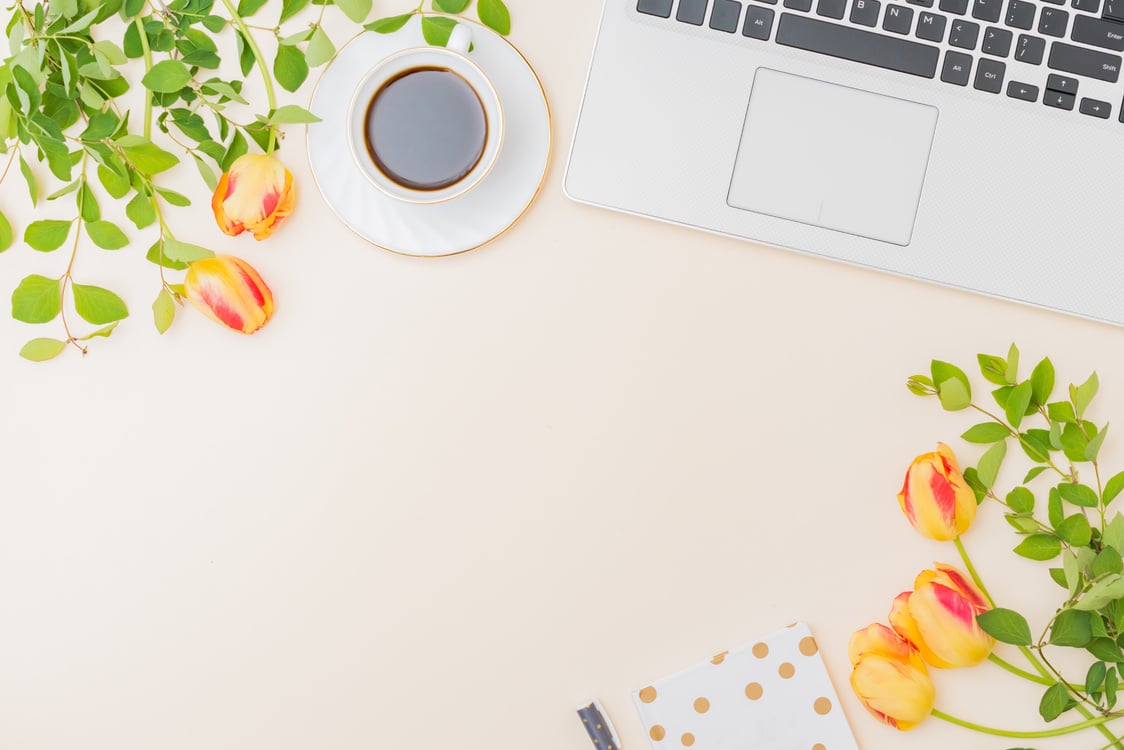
(460, 39)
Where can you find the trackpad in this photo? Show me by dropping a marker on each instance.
(832, 156)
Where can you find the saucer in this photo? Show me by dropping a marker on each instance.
(456, 225)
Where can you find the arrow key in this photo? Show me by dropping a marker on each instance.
(1024, 91)
(1095, 108)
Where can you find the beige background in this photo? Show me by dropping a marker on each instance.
(439, 503)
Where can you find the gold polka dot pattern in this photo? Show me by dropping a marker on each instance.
(754, 691)
(822, 706)
(657, 733)
(648, 694)
(687, 739)
(702, 705)
(809, 647)
(786, 671)
(760, 650)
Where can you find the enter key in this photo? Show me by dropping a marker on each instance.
(1098, 32)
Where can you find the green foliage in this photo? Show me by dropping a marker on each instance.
(37, 299)
(1006, 626)
(163, 311)
(437, 30)
(494, 14)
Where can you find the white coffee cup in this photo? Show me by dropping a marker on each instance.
(452, 58)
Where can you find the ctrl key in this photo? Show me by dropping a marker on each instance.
(1024, 91)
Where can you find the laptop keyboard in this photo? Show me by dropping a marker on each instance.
(967, 43)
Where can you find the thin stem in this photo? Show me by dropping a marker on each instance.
(267, 77)
(1004, 664)
(1056, 732)
(147, 67)
(972, 570)
(1015, 433)
(11, 161)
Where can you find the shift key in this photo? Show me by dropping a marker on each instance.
(1099, 33)
(857, 45)
(1084, 62)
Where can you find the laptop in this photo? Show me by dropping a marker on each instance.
(977, 144)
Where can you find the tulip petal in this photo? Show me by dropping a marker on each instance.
(229, 291)
(894, 692)
(255, 194)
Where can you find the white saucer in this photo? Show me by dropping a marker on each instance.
(456, 225)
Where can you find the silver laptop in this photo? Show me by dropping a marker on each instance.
(973, 143)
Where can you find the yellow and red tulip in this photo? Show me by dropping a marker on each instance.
(935, 497)
(889, 677)
(229, 291)
(254, 195)
(939, 618)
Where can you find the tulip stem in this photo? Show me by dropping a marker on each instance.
(972, 570)
(259, 58)
(1056, 732)
(1019, 672)
(143, 36)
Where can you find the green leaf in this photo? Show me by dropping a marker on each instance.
(155, 255)
(146, 156)
(1056, 436)
(1072, 628)
(1054, 509)
(37, 299)
(106, 235)
(972, 477)
(46, 235)
(5, 233)
(320, 49)
(920, 385)
(163, 311)
(494, 15)
(1074, 442)
(29, 178)
(1105, 649)
(1061, 411)
(1021, 500)
(88, 203)
(290, 68)
(389, 25)
(1094, 445)
(247, 8)
(1023, 523)
(1055, 702)
(1042, 381)
(1078, 494)
(167, 77)
(1108, 589)
(437, 30)
(450, 6)
(990, 462)
(1039, 547)
(1075, 530)
(1111, 683)
(986, 432)
(102, 333)
(1012, 372)
(1083, 394)
(174, 198)
(356, 10)
(954, 390)
(97, 305)
(1107, 561)
(237, 148)
(1071, 567)
(140, 211)
(41, 350)
(1005, 626)
(1018, 402)
(994, 369)
(114, 184)
(1058, 575)
(290, 8)
(291, 114)
(1114, 533)
(1113, 487)
(184, 252)
(1034, 473)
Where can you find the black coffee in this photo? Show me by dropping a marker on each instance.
(426, 128)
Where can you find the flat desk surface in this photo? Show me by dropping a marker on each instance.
(439, 503)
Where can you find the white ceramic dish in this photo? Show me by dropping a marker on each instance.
(456, 225)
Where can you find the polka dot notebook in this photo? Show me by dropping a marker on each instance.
(772, 695)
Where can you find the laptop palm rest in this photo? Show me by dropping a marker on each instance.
(832, 156)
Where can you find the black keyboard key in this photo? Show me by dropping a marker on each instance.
(1056, 2)
(987, 10)
(691, 11)
(758, 22)
(857, 45)
(1058, 100)
(997, 41)
(930, 26)
(922, 3)
(964, 34)
(1020, 15)
(1095, 108)
(770, 2)
(1114, 10)
(1089, 6)
(1084, 62)
(1053, 22)
(661, 8)
(1094, 31)
(1055, 82)
(804, 5)
(957, 68)
(989, 75)
(898, 20)
(1030, 49)
(725, 14)
(831, 8)
(960, 7)
(865, 12)
(1024, 91)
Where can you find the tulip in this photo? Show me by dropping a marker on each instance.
(935, 497)
(255, 194)
(939, 618)
(889, 677)
(229, 291)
